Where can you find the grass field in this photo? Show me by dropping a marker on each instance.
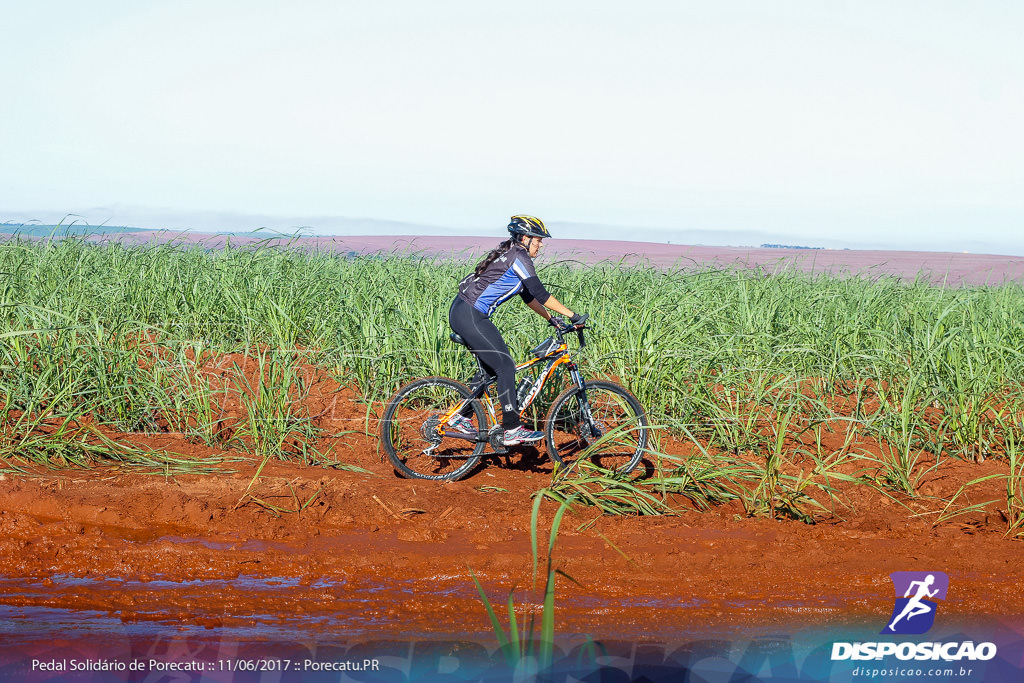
(780, 386)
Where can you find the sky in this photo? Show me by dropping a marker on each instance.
(826, 122)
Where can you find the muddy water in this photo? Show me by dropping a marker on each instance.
(119, 565)
(287, 623)
(355, 617)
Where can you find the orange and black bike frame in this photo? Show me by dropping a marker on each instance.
(478, 385)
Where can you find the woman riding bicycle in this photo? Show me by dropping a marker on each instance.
(506, 271)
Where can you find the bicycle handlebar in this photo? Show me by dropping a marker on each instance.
(576, 327)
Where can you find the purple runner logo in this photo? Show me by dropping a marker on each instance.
(914, 612)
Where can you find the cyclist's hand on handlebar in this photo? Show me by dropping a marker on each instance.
(558, 323)
(579, 319)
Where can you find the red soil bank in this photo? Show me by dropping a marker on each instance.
(384, 555)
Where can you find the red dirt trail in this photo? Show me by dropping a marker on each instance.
(373, 553)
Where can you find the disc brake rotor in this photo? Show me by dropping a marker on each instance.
(588, 435)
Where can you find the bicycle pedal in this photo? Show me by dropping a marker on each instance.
(497, 438)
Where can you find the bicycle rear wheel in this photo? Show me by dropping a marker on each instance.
(606, 425)
(411, 430)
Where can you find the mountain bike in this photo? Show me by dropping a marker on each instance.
(438, 428)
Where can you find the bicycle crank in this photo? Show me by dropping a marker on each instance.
(496, 437)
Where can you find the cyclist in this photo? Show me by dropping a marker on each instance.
(506, 271)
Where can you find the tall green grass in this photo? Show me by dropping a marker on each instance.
(737, 361)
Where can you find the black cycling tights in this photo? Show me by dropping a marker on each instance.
(487, 344)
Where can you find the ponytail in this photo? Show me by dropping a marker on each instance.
(492, 257)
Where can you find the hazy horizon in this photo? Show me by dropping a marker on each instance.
(212, 222)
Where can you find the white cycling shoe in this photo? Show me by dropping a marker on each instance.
(521, 435)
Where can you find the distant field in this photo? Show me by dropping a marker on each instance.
(934, 266)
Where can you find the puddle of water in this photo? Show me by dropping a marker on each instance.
(26, 625)
(35, 587)
(260, 608)
(358, 612)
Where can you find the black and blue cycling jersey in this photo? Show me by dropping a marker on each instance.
(510, 274)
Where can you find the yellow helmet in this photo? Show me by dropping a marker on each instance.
(528, 226)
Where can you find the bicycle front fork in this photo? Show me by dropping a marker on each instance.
(587, 417)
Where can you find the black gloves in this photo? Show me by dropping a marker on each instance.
(562, 326)
(558, 323)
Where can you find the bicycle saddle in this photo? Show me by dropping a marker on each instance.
(455, 337)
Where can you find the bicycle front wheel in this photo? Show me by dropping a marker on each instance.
(411, 430)
(603, 424)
